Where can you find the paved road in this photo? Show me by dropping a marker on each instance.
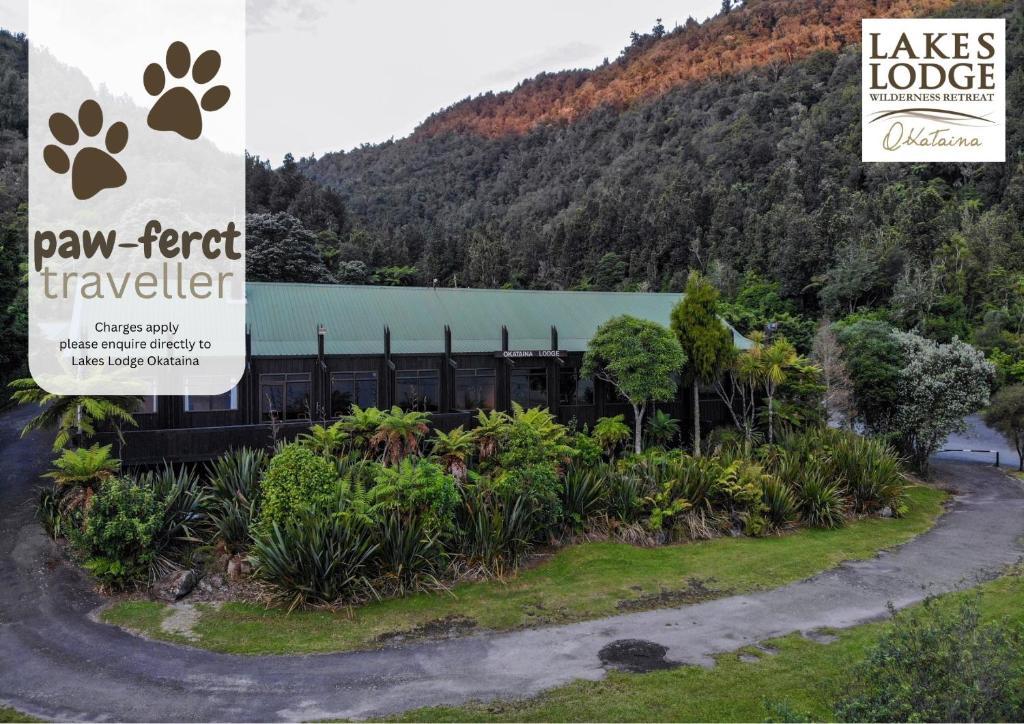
(980, 436)
(56, 662)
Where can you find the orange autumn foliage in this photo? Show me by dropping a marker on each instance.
(761, 33)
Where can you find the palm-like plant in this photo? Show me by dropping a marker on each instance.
(541, 421)
(491, 427)
(610, 432)
(361, 425)
(454, 449)
(75, 417)
(79, 472)
(399, 434)
(776, 361)
(662, 428)
(325, 441)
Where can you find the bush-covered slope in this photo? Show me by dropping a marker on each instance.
(759, 170)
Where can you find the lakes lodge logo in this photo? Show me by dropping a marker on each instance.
(933, 90)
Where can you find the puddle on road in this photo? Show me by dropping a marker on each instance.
(636, 656)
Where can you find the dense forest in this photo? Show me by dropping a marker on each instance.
(731, 147)
(13, 203)
(752, 177)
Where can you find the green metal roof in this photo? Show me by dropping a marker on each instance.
(283, 318)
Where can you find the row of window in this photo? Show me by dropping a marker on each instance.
(287, 396)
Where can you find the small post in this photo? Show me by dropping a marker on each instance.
(997, 458)
(448, 347)
(554, 337)
(504, 338)
(389, 367)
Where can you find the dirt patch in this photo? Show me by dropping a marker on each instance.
(182, 621)
(695, 591)
(442, 628)
(635, 656)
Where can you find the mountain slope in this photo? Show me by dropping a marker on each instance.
(754, 171)
(760, 33)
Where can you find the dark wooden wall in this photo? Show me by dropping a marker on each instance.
(174, 434)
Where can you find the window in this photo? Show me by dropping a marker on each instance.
(474, 389)
(418, 390)
(284, 397)
(574, 389)
(530, 387)
(212, 403)
(352, 388)
(148, 405)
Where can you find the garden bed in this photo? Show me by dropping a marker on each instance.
(577, 582)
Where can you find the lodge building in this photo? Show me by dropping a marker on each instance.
(314, 350)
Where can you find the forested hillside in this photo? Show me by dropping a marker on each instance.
(13, 199)
(758, 33)
(754, 172)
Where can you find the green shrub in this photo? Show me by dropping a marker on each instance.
(586, 452)
(681, 475)
(118, 538)
(584, 495)
(625, 495)
(234, 495)
(940, 663)
(295, 478)
(820, 502)
(866, 469)
(409, 556)
(871, 472)
(497, 528)
(780, 508)
(313, 556)
(184, 522)
(417, 488)
(529, 467)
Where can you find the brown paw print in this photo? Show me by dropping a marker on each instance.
(177, 109)
(93, 168)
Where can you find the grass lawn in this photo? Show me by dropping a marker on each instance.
(578, 582)
(805, 677)
(13, 715)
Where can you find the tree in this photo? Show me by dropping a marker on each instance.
(874, 360)
(610, 272)
(280, 249)
(454, 450)
(78, 474)
(705, 340)
(610, 432)
(828, 354)
(395, 276)
(352, 272)
(938, 387)
(324, 440)
(74, 417)
(1006, 414)
(639, 359)
(775, 363)
(399, 434)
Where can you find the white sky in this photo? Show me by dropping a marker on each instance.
(325, 75)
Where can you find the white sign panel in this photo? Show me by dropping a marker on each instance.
(137, 196)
